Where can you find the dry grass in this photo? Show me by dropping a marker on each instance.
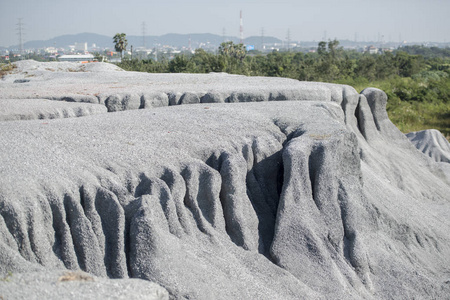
(75, 276)
(6, 68)
(7, 277)
(320, 136)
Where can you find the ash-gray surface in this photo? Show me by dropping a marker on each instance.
(432, 143)
(76, 285)
(30, 109)
(307, 191)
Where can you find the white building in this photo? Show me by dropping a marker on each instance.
(51, 50)
(82, 47)
(372, 50)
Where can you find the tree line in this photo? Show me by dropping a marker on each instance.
(329, 63)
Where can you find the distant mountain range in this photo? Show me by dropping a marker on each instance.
(171, 39)
(195, 40)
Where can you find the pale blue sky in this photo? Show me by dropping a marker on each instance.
(412, 20)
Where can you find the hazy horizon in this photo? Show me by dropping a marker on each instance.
(363, 20)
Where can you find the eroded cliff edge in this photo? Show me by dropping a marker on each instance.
(316, 198)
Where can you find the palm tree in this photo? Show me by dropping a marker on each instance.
(120, 41)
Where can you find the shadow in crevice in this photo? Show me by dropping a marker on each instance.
(316, 165)
(264, 185)
(144, 186)
(263, 181)
(358, 119)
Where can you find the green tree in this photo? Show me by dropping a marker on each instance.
(231, 49)
(328, 66)
(333, 48)
(181, 64)
(366, 67)
(120, 43)
(408, 65)
(322, 48)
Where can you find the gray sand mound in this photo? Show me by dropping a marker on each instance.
(321, 197)
(120, 90)
(432, 143)
(29, 109)
(76, 285)
(31, 67)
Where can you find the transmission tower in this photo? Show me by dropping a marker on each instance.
(288, 38)
(262, 39)
(241, 29)
(20, 33)
(143, 34)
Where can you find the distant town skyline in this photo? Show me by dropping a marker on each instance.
(297, 20)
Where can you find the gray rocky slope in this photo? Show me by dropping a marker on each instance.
(432, 143)
(316, 197)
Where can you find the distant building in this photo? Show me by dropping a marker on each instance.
(82, 47)
(51, 50)
(372, 50)
(77, 58)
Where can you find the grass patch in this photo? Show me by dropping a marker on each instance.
(6, 68)
(416, 116)
(410, 116)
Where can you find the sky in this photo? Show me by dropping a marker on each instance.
(312, 20)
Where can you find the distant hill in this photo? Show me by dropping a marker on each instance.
(171, 39)
(205, 40)
(71, 39)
